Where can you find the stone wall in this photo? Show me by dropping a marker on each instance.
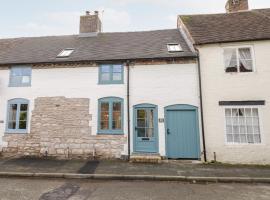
(60, 127)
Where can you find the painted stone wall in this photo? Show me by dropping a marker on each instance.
(61, 127)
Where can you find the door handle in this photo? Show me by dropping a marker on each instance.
(168, 131)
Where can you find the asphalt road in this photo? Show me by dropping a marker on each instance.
(59, 189)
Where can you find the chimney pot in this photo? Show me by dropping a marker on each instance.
(87, 12)
(236, 5)
(96, 12)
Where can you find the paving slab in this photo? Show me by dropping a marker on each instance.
(119, 167)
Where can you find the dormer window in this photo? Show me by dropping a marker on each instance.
(174, 47)
(65, 53)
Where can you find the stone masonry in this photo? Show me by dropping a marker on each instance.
(60, 128)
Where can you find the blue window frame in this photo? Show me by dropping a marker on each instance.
(110, 115)
(20, 76)
(17, 116)
(111, 74)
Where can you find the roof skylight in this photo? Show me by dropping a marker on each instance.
(174, 47)
(65, 53)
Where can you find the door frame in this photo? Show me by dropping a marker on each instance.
(182, 107)
(146, 105)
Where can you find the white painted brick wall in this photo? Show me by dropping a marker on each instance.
(219, 86)
(162, 85)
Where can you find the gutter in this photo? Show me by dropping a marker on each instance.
(201, 103)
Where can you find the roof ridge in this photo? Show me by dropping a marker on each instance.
(242, 11)
(74, 35)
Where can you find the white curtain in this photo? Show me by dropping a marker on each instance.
(245, 58)
(230, 59)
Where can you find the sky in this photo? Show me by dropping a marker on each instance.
(25, 18)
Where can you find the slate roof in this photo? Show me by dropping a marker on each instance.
(231, 27)
(103, 47)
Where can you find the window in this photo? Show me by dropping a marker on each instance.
(242, 125)
(20, 76)
(65, 53)
(174, 47)
(17, 116)
(110, 116)
(111, 74)
(238, 59)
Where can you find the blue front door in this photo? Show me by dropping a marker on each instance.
(182, 132)
(145, 129)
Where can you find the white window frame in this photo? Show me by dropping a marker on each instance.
(260, 126)
(237, 56)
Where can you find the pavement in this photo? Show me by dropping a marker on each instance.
(122, 170)
(63, 189)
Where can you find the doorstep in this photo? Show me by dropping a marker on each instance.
(145, 158)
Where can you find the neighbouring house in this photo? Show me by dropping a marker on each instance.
(107, 95)
(234, 50)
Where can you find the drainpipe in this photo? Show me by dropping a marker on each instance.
(128, 106)
(201, 104)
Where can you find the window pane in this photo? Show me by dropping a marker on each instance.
(243, 138)
(117, 76)
(150, 132)
(104, 116)
(104, 125)
(13, 112)
(16, 80)
(105, 68)
(12, 125)
(229, 138)
(250, 138)
(117, 106)
(257, 138)
(151, 118)
(248, 112)
(229, 129)
(230, 60)
(141, 132)
(141, 114)
(141, 123)
(236, 138)
(16, 72)
(117, 68)
(24, 107)
(23, 116)
(255, 112)
(116, 120)
(245, 60)
(228, 112)
(25, 79)
(105, 76)
(22, 125)
(105, 106)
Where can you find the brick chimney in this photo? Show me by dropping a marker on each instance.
(90, 24)
(236, 5)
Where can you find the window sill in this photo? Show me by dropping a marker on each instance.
(110, 133)
(110, 83)
(244, 144)
(19, 86)
(15, 132)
